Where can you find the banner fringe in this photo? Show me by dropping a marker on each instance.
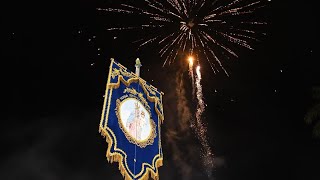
(118, 158)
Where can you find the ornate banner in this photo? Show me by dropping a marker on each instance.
(131, 119)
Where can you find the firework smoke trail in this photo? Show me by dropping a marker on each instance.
(179, 131)
(200, 128)
(206, 28)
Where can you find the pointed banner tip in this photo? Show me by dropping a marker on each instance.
(138, 65)
(138, 62)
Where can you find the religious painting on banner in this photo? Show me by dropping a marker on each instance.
(131, 123)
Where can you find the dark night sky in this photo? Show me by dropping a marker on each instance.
(55, 56)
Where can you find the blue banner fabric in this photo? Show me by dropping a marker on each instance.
(131, 123)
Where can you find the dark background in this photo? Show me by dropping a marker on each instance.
(54, 63)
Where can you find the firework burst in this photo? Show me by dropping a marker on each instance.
(210, 29)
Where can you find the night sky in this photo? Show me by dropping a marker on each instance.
(54, 65)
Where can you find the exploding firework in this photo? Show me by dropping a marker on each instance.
(198, 27)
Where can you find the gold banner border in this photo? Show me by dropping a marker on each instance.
(150, 170)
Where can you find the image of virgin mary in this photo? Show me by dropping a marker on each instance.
(136, 122)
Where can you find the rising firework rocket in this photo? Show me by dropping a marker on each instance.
(201, 129)
(198, 125)
(190, 59)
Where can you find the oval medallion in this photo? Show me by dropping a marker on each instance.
(135, 119)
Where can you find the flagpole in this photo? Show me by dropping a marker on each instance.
(138, 65)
